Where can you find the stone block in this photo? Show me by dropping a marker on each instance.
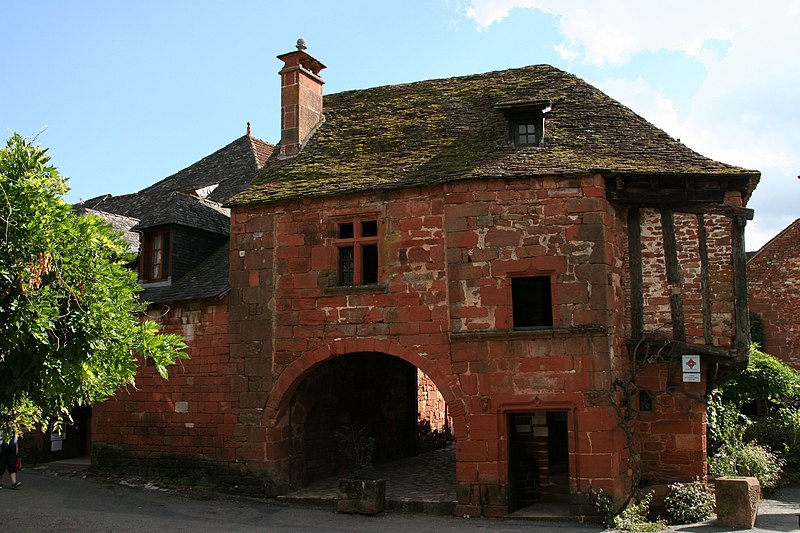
(361, 496)
(737, 501)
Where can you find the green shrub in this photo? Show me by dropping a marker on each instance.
(766, 378)
(781, 433)
(688, 503)
(751, 459)
(634, 518)
(726, 424)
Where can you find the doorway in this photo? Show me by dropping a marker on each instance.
(538, 458)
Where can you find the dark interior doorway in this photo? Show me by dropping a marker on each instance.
(373, 391)
(538, 458)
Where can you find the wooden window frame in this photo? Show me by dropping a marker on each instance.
(528, 119)
(365, 265)
(148, 256)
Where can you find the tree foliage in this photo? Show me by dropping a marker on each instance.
(766, 378)
(70, 321)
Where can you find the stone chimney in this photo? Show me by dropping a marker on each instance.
(301, 98)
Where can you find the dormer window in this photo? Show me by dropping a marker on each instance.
(525, 121)
(527, 131)
(155, 255)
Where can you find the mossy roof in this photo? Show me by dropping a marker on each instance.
(436, 131)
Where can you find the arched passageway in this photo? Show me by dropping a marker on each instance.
(397, 405)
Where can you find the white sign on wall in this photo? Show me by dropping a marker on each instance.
(691, 368)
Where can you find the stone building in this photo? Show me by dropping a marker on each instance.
(773, 288)
(538, 252)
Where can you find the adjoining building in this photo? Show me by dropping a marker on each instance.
(773, 281)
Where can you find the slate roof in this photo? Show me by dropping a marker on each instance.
(209, 279)
(188, 210)
(232, 167)
(122, 224)
(437, 131)
(176, 200)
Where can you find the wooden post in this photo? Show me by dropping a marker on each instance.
(739, 260)
(635, 265)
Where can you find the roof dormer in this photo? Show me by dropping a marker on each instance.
(525, 121)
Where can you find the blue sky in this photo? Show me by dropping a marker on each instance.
(127, 93)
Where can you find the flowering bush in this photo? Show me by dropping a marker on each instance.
(634, 518)
(687, 503)
(605, 505)
(749, 459)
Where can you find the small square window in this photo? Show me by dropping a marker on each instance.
(532, 302)
(357, 246)
(527, 133)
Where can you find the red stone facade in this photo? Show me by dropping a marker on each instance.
(192, 413)
(773, 279)
(448, 256)
(546, 311)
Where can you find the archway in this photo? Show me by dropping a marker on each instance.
(378, 392)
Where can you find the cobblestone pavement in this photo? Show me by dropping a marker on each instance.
(425, 478)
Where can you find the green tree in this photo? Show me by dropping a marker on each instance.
(71, 328)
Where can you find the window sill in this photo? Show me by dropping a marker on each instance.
(529, 333)
(357, 289)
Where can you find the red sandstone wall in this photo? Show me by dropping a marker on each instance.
(671, 438)
(192, 413)
(430, 403)
(773, 277)
(444, 304)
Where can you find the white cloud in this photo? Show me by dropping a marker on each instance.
(744, 112)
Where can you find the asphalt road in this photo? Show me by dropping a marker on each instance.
(47, 502)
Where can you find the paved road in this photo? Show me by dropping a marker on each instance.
(47, 502)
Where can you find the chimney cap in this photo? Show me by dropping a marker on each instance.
(301, 59)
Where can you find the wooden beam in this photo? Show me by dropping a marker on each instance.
(664, 197)
(705, 278)
(673, 275)
(739, 260)
(635, 266)
(717, 209)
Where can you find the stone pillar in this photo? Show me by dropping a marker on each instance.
(737, 501)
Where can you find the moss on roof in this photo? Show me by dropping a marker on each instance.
(443, 130)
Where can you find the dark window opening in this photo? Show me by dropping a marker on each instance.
(155, 256)
(369, 262)
(369, 228)
(528, 131)
(645, 400)
(357, 245)
(346, 230)
(346, 265)
(532, 302)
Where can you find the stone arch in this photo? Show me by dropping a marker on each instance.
(291, 377)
